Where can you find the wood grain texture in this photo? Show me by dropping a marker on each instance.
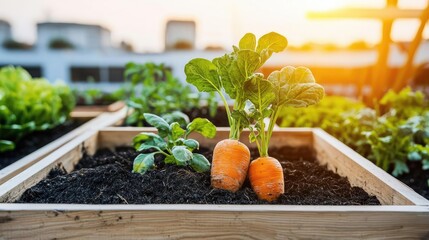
(65, 157)
(97, 109)
(206, 223)
(103, 120)
(362, 173)
(75, 221)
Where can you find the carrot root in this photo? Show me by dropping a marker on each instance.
(266, 178)
(230, 164)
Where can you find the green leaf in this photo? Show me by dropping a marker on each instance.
(202, 126)
(144, 147)
(182, 155)
(400, 168)
(247, 63)
(200, 163)
(176, 131)
(414, 156)
(259, 91)
(176, 116)
(192, 144)
(159, 123)
(6, 145)
(170, 159)
(144, 162)
(425, 164)
(203, 75)
(273, 42)
(224, 66)
(248, 41)
(148, 139)
(295, 87)
(269, 43)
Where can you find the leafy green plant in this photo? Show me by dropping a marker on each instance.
(173, 142)
(28, 105)
(94, 96)
(390, 136)
(228, 74)
(289, 87)
(324, 114)
(153, 89)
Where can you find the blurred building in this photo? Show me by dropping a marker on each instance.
(180, 35)
(5, 31)
(78, 36)
(84, 55)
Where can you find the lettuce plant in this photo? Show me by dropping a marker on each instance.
(173, 142)
(28, 105)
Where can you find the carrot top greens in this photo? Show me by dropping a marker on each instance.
(228, 74)
(234, 74)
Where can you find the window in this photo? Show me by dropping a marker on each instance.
(85, 74)
(116, 74)
(34, 71)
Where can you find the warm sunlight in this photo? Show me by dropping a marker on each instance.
(326, 5)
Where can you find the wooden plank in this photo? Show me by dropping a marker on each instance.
(106, 119)
(76, 221)
(111, 137)
(363, 173)
(165, 222)
(97, 109)
(388, 13)
(403, 77)
(65, 157)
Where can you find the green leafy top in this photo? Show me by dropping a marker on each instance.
(172, 141)
(289, 87)
(229, 73)
(27, 105)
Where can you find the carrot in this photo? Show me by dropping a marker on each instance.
(266, 178)
(230, 163)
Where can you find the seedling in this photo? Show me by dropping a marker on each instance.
(172, 141)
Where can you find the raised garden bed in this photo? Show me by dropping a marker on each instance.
(57, 138)
(403, 214)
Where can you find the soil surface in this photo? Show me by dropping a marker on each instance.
(417, 179)
(34, 141)
(106, 178)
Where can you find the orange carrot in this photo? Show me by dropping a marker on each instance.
(230, 163)
(266, 178)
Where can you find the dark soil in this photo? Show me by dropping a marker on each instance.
(417, 179)
(34, 141)
(106, 178)
(220, 120)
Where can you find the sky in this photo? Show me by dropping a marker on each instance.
(219, 22)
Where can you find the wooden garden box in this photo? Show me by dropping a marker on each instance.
(403, 215)
(92, 123)
(95, 110)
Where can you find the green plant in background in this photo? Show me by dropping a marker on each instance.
(326, 112)
(153, 89)
(94, 96)
(396, 132)
(172, 141)
(28, 105)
